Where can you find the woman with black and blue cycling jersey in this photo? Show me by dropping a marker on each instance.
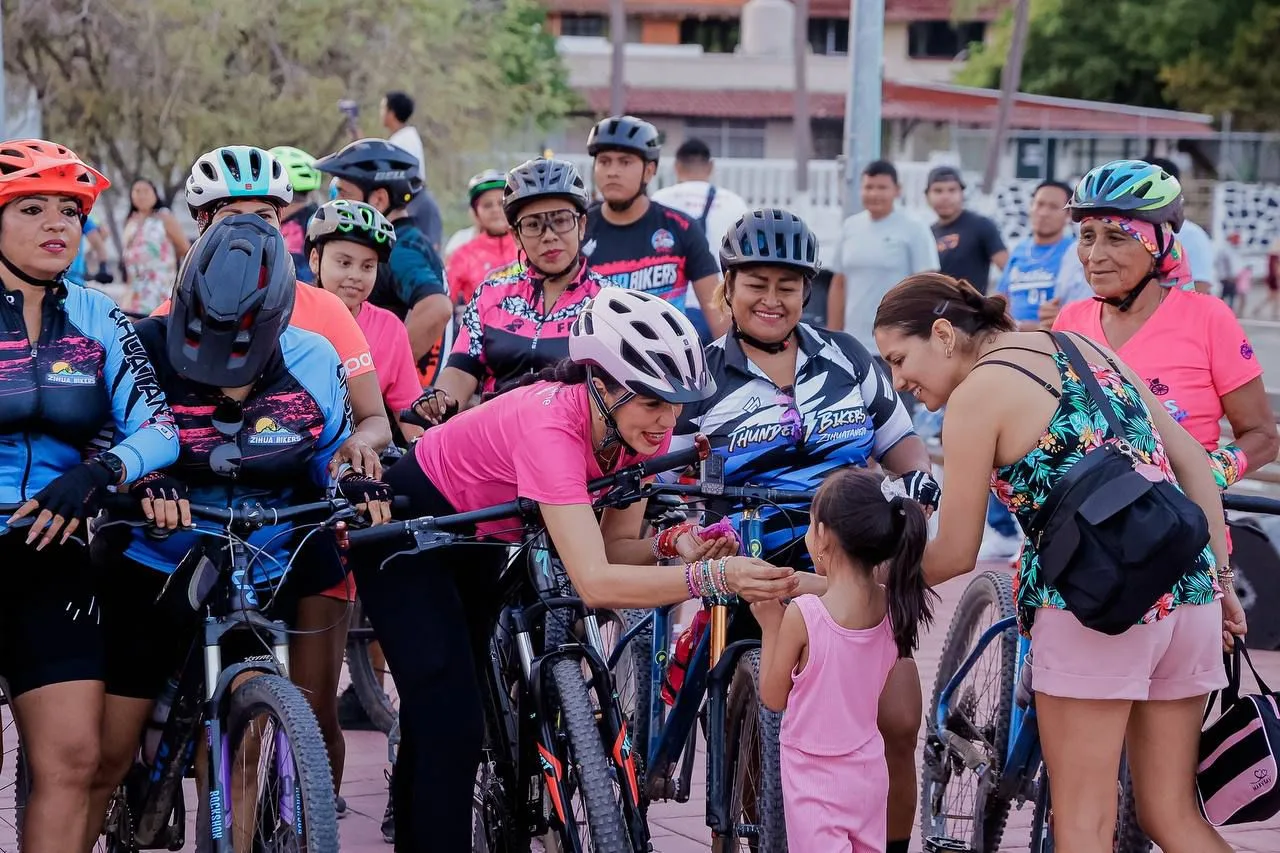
(70, 361)
(261, 408)
(794, 403)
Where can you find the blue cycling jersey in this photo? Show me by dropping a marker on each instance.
(293, 420)
(87, 368)
(840, 410)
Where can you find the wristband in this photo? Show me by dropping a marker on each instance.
(664, 543)
(1229, 464)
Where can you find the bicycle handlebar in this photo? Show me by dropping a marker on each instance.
(524, 506)
(750, 494)
(1251, 503)
(252, 514)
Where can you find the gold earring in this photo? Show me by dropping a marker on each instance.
(948, 352)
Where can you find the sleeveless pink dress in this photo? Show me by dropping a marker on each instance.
(835, 784)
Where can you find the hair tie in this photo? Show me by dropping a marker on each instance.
(894, 491)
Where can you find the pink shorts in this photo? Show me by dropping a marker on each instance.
(1178, 657)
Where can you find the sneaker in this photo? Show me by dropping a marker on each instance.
(997, 546)
(339, 806)
(351, 714)
(389, 816)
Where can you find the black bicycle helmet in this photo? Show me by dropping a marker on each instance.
(625, 133)
(770, 236)
(377, 164)
(535, 179)
(232, 303)
(353, 222)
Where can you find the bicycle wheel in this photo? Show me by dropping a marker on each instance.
(278, 768)
(631, 680)
(755, 766)
(371, 680)
(953, 801)
(590, 778)
(15, 781)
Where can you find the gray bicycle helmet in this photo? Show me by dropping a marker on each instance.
(354, 222)
(232, 303)
(535, 179)
(625, 133)
(770, 236)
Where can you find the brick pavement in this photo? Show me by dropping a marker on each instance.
(677, 828)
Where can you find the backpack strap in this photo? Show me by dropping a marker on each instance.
(706, 208)
(1090, 382)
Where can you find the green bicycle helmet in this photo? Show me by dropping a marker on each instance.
(1132, 188)
(489, 179)
(300, 166)
(353, 222)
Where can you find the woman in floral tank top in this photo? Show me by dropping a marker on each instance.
(1019, 426)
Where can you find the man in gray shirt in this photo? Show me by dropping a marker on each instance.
(879, 247)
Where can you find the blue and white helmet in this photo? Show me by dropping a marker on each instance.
(235, 172)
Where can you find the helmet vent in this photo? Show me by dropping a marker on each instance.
(255, 164)
(619, 306)
(1142, 189)
(229, 160)
(671, 321)
(637, 361)
(668, 363)
(646, 330)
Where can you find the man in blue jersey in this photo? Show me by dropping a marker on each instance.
(1043, 272)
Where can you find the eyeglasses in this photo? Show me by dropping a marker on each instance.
(535, 224)
(228, 420)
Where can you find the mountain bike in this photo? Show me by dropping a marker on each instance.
(744, 781)
(251, 715)
(557, 754)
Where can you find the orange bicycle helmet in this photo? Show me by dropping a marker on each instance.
(36, 167)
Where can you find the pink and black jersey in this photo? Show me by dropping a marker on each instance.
(662, 252)
(504, 333)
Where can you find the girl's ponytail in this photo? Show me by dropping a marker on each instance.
(910, 599)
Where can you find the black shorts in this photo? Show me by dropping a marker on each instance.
(147, 636)
(49, 615)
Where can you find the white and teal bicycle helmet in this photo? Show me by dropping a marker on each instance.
(235, 172)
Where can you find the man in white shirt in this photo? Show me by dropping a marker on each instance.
(397, 109)
(1201, 253)
(714, 208)
(879, 247)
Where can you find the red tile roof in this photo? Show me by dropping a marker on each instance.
(921, 102)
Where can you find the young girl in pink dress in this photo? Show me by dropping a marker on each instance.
(825, 660)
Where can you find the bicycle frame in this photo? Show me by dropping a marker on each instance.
(161, 791)
(710, 669)
(1022, 757)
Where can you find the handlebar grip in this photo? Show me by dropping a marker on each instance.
(410, 416)
(1251, 503)
(381, 533)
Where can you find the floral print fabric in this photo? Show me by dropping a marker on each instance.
(1078, 427)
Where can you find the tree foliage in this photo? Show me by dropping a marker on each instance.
(1176, 54)
(145, 86)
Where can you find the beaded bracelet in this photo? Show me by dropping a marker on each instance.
(688, 580)
(664, 543)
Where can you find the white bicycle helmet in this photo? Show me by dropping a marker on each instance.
(644, 344)
(234, 172)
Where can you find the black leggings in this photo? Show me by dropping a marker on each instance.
(431, 613)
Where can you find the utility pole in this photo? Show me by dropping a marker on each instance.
(617, 67)
(803, 135)
(1010, 78)
(862, 106)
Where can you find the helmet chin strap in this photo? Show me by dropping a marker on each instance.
(611, 434)
(568, 272)
(771, 347)
(57, 281)
(1124, 303)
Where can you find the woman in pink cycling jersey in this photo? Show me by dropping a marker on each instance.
(1188, 347)
(491, 249)
(518, 321)
(635, 361)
